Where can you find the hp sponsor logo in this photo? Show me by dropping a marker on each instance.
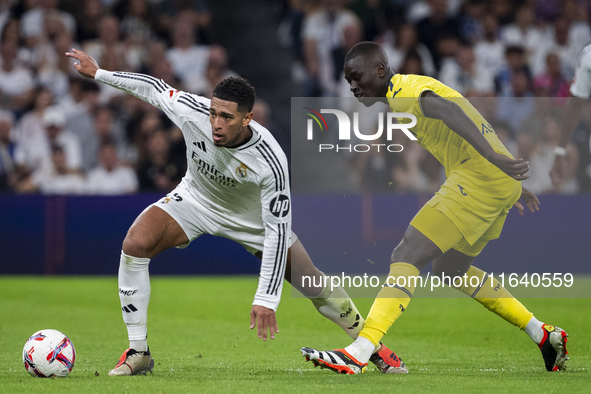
(280, 206)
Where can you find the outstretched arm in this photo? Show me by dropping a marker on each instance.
(570, 119)
(145, 87)
(437, 107)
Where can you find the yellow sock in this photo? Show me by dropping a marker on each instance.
(391, 301)
(496, 298)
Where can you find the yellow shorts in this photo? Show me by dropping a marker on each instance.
(474, 201)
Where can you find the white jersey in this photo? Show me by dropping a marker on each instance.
(581, 85)
(248, 185)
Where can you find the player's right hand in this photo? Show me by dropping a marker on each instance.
(265, 318)
(515, 168)
(557, 171)
(87, 66)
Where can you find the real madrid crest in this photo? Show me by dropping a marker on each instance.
(241, 171)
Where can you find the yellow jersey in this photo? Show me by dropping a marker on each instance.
(433, 135)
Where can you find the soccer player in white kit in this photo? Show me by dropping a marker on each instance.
(236, 186)
(580, 91)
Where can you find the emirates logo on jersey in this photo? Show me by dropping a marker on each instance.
(212, 173)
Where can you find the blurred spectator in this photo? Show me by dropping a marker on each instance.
(163, 70)
(419, 9)
(77, 108)
(31, 128)
(530, 130)
(523, 32)
(582, 140)
(471, 20)
(109, 177)
(143, 121)
(155, 54)
(89, 20)
(261, 113)
(552, 82)
(35, 153)
(108, 129)
(196, 11)
(109, 40)
(412, 64)
(16, 82)
(57, 134)
(137, 24)
(399, 46)
(8, 167)
(328, 34)
(508, 38)
(159, 172)
(217, 70)
(55, 75)
(490, 52)
(34, 22)
(503, 10)
(372, 16)
(466, 76)
(436, 25)
(564, 41)
(78, 100)
(10, 30)
(516, 62)
(59, 179)
(448, 47)
(188, 60)
(4, 15)
(543, 157)
(514, 106)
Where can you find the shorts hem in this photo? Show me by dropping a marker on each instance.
(428, 235)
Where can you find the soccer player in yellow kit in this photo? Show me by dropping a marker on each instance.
(483, 183)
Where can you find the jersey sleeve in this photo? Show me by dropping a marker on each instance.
(175, 104)
(581, 86)
(276, 215)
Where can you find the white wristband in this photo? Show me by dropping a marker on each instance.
(560, 151)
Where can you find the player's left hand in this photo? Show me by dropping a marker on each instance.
(265, 318)
(530, 200)
(515, 168)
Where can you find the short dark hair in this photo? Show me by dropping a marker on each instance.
(367, 49)
(238, 90)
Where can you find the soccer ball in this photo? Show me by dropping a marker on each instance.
(49, 353)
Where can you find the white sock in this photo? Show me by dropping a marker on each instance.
(134, 293)
(534, 330)
(361, 349)
(337, 307)
(140, 346)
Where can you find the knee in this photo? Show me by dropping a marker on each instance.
(136, 247)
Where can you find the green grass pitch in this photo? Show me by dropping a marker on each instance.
(200, 340)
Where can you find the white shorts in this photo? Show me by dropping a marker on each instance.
(188, 213)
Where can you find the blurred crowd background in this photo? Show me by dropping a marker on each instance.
(63, 134)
